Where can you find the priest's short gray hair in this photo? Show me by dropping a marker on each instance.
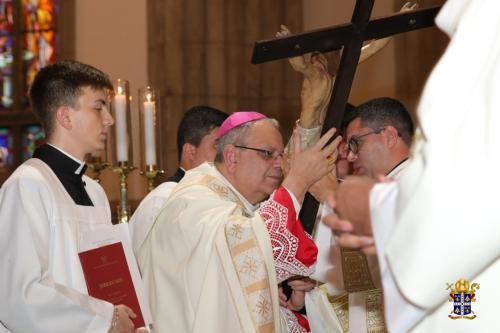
(237, 136)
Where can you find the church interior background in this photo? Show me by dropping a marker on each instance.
(194, 52)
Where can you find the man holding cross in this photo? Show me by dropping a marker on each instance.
(389, 123)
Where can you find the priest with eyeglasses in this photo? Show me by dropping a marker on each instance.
(229, 233)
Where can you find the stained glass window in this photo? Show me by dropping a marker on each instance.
(40, 42)
(6, 147)
(29, 40)
(33, 137)
(6, 28)
(38, 37)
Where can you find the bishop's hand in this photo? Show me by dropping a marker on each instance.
(308, 166)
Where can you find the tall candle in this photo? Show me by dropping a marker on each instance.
(121, 126)
(149, 131)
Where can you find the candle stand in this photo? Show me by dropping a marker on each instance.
(123, 170)
(97, 165)
(121, 143)
(151, 174)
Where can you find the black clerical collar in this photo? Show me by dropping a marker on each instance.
(396, 166)
(68, 171)
(177, 176)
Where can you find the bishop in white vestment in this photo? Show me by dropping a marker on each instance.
(213, 259)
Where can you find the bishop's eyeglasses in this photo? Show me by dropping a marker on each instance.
(355, 140)
(267, 155)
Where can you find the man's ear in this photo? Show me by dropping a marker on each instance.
(391, 136)
(63, 117)
(188, 151)
(230, 154)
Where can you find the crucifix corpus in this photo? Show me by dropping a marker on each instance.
(350, 37)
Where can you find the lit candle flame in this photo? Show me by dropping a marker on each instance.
(119, 90)
(148, 97)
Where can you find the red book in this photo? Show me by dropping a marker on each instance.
(108, 277)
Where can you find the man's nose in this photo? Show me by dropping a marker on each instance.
(351, 157)
(108, 119)
(277, 161)
(343, 151)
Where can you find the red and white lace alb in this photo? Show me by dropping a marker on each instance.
(294, 250)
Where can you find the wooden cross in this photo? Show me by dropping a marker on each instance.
(350, 36)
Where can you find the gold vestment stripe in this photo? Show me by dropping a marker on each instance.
(355, 271)
(375, 322)
(245, 246)
(259, 285)
(267, 328)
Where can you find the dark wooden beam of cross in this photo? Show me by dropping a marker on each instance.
(350, 37)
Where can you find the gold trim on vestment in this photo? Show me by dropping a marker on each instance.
(250, 266)
(263, 284)
(268, 328)
(245, 246)
(355, 271)
(375, 321)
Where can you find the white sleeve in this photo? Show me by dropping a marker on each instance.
(308, 137)
(31, 300)
(145, 215)
(323, 238)
(329, 261)
(400, 314)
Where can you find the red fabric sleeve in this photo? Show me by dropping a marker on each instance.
(294, 250)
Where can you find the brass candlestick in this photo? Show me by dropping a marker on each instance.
(123, 170)
(121, 142)
(151, 174)
(96, 165)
